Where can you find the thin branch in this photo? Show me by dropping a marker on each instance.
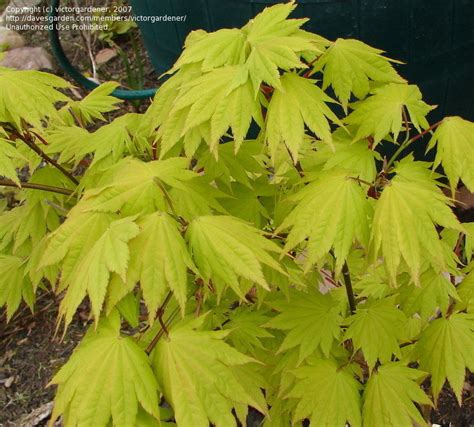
(169, 202)
(161, 332)
(348, 284)
(407, 125)
(28, 141)
(405, 144)
(9, 183)
(361, 181)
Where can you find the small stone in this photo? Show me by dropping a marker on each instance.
(27, 58)
(10, 39)
(105, 55)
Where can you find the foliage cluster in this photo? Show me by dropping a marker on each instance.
(243, 243)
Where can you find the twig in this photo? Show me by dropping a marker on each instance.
(406, 143)
(169, 202)
(161, 332)
(348, 284)
(29, 142)
(32, 186)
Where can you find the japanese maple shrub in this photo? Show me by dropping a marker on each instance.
(243, 243)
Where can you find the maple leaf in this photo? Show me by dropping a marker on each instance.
(435, 292)
(202, 377)
(72, 143)
(97, 102)
(213, 50)
(390, 394)
(225, 249)
(159, 260)
(108, 378)
(454, 139)
(218, 100)
(246, 326)
(312, 320)
(327, 394)
(90, 246)
(349, 65)
(15, 284)
(29, 96)
(445, 351)
(350, 155)
(376, 329)
(273, 21)
(8, 155)
(405, 219)
(232, 164)
(466, 292)
(276, 43)
(332, 212)
(299, 102)
(131, 186)
(382, 113)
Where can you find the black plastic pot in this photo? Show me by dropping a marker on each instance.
(434, 37)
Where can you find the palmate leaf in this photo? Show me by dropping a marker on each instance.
(159, 261)
(232, 164)
(405, 221)
(312, 322)
(15, 284)
(203, 378)
(327, 394)
(454, 139)
(435, 292)
(354, 156)
(273, 22)
(108, 378)
(213, 50)
(133, 186)
(246, 329)
(211, 104)
(226, 249)
(382, 113)
(96, 103)
(466, 292)
(25, 226)
(445, 351)
(349, 65)
(276, 43)
(8, 153)
(116, 139)
(90, 246)
(332, 212)
(390, 396)
(247, 204)
(376, 329)
(29, 96)
(299, 102)
(72, 143)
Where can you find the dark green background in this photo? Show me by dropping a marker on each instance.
(434, 37)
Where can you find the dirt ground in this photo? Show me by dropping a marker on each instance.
(30, 353)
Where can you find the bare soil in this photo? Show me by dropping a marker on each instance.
(30, 355)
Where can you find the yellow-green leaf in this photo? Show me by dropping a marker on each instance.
(454, 139)
(203, 378)
(375, 328)
(445, 350)
(390, 396)
(107, 379)
(327, 394)
(311, 321)
(159, 260)
(349, 65)
(382, 113)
